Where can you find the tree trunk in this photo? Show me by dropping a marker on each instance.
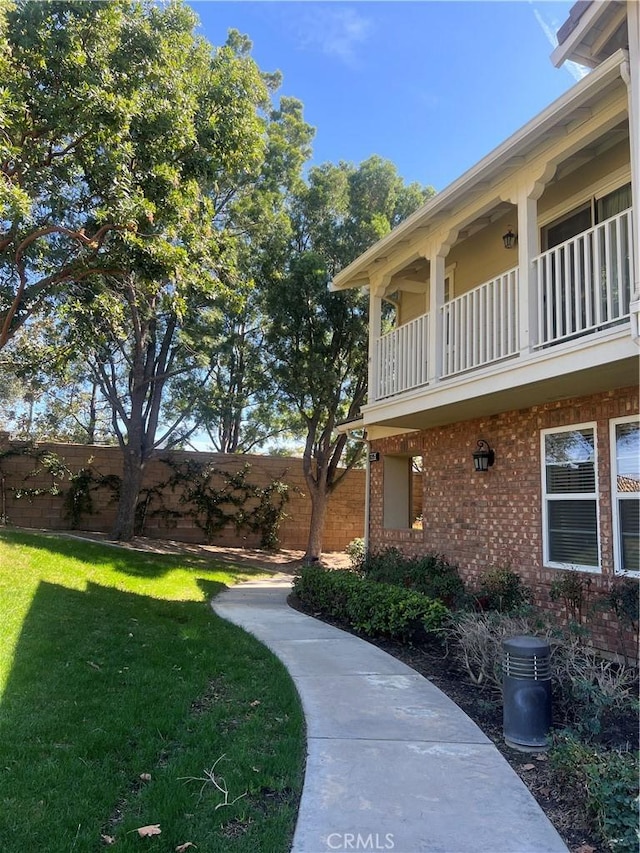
(319, 502)
(132, 472)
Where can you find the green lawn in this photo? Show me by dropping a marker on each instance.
(113, 666)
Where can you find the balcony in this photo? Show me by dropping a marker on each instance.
(577, 289)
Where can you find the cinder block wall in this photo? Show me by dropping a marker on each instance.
(345, 518)
(495, 519)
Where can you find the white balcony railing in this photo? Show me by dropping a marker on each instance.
(579, 287)
(481, 326)
(401, 358)
(584, 284)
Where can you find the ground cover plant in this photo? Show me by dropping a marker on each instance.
(125, 703)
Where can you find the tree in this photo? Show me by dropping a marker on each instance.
(144, 148)
(317, 341)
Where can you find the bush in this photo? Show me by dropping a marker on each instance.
(477, 642)
(502, 589)
(430, 574)
(375, 608)
(610, 784)
(587, 687)
(356, 553)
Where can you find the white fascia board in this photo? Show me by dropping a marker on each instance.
(568, 50)
(612, 346)
(515, 145)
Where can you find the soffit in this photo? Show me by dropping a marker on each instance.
(508, 159)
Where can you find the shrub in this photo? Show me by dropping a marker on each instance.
(502, 589)
(610, 784)
(431, 574)
(375, 608)
(477, 642)
(356, 553)
(586, 687)
(573, 589)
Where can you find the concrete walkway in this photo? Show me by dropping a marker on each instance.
(392, 763)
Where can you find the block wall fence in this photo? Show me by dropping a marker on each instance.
(494, 519)
(345, 517)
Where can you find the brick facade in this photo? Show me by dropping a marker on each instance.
(345, 518)
(482, 520)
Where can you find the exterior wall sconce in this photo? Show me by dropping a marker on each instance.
(509, 239)
(483, 457)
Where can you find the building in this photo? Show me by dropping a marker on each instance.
(504, 336)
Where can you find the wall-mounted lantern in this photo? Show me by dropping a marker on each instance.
(483, 457)
(509, 239)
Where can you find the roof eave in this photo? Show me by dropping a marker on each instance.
(356, 275)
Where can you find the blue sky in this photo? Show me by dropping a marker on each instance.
(432, 86)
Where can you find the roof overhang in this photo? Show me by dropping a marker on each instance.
(358, 273)
(592, 24)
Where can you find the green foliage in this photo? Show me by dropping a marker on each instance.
(430, 574)
(624, 600)
(587, 687)
(355, 550)
(217, 498)
(502, 589)
(45, 462)
(375, 608)
(610, 784)
(573, 589)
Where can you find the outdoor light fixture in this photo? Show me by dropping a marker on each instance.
(483, 457)
(509, 239)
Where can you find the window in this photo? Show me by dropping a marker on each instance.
(625, 493)
(570, 498)
(402, 494)
(582, 218)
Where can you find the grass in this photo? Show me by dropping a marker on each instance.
(113, 667)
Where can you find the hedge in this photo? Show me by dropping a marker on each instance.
(377, 609)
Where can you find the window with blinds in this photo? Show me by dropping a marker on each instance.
(570, 498)
(625, 489)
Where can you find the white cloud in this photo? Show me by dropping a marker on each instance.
(335, 31)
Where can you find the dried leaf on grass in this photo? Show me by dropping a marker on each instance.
(186, 846)
(107, 839)
(146, 831)
(146, 777)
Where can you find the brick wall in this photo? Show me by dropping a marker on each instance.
(495, 518)
(345, 518)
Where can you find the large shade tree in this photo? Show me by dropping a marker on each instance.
(131, 157)
(317, 341)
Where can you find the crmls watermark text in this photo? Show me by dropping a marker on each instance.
(359, 841)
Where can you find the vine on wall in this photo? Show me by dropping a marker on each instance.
(213, 497)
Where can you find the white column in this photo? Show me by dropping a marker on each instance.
(436, 301)
(528, 248)
(375, 327)
(632, 79)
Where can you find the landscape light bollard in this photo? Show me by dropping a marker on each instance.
(526, 691)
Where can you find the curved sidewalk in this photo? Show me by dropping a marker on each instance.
(392, 763)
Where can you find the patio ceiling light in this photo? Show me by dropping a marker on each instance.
(483, 457)
(509, 239)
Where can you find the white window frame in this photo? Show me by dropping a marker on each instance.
(579, 496)
(615, 495)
